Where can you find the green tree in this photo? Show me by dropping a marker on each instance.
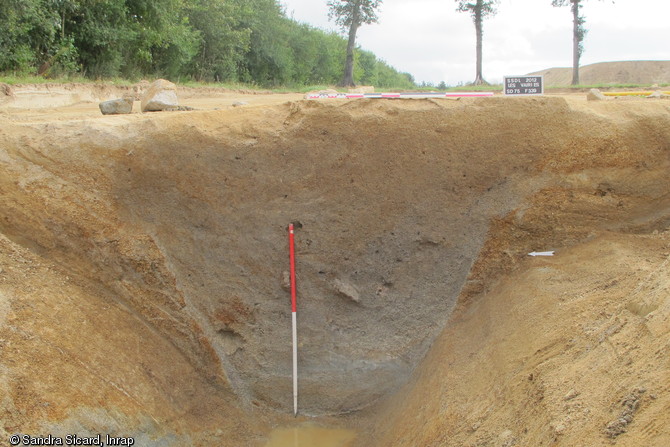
(28, 36)
(304, 42)
(388, 77)
(367, 64)
(327, 67)
(102, 34)
(269, 60)
(224, 40)
(479, 10)
(578, 33)
(160, 36)
(350, 15)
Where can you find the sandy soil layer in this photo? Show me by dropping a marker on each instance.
(567, 351)
(623, 72)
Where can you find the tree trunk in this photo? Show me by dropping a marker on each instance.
(479, 78)
(348, 79)
(576, 41)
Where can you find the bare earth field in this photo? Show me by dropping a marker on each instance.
(622, 72)
(143, 265)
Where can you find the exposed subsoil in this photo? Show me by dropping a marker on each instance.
(619, 72)
(143, 265)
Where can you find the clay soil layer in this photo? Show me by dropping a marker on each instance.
(143, 270)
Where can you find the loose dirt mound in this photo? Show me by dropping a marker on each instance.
(625, 72)
(162, 240)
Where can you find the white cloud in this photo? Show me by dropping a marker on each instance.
(429, 39)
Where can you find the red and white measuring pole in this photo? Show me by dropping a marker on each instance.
(294, 328)
(408, 95)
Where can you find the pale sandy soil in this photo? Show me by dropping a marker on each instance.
(615, 73)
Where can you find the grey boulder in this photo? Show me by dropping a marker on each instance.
(160, 95)
(117, 106)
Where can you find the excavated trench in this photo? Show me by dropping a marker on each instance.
(401, 207)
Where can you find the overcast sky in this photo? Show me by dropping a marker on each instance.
(434, 43)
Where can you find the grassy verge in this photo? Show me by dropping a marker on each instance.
(477, 88)
(14, 79)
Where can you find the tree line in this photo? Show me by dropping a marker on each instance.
(248, 41)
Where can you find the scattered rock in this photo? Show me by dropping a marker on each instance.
(325, 92)
(558, 427)
(160, 95)
(363, 89)
(347, 290)
(117, 106)
(140, 88)
(240, 103)
(286, 281)
(230, 340)
(506, 439)
(178, 109)
(604, 189)
(6, 90)
(595, 95)
(571, 395)
(658, 95)
(630, 405)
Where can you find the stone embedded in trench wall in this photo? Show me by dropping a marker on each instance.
(347, 290)
(286, 280)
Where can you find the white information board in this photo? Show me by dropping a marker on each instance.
(523, 85)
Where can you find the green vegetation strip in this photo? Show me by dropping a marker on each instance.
(249, 42)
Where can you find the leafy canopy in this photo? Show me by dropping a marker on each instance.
(481, 8)
(580, 30)
(357, 12)
(251, 41)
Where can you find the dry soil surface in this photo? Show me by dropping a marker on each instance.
(623, 72)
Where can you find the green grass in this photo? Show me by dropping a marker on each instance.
(477, 88)
(303, 89)
(256, 87)
(227, 85)
(18, 78)
(14, 79)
